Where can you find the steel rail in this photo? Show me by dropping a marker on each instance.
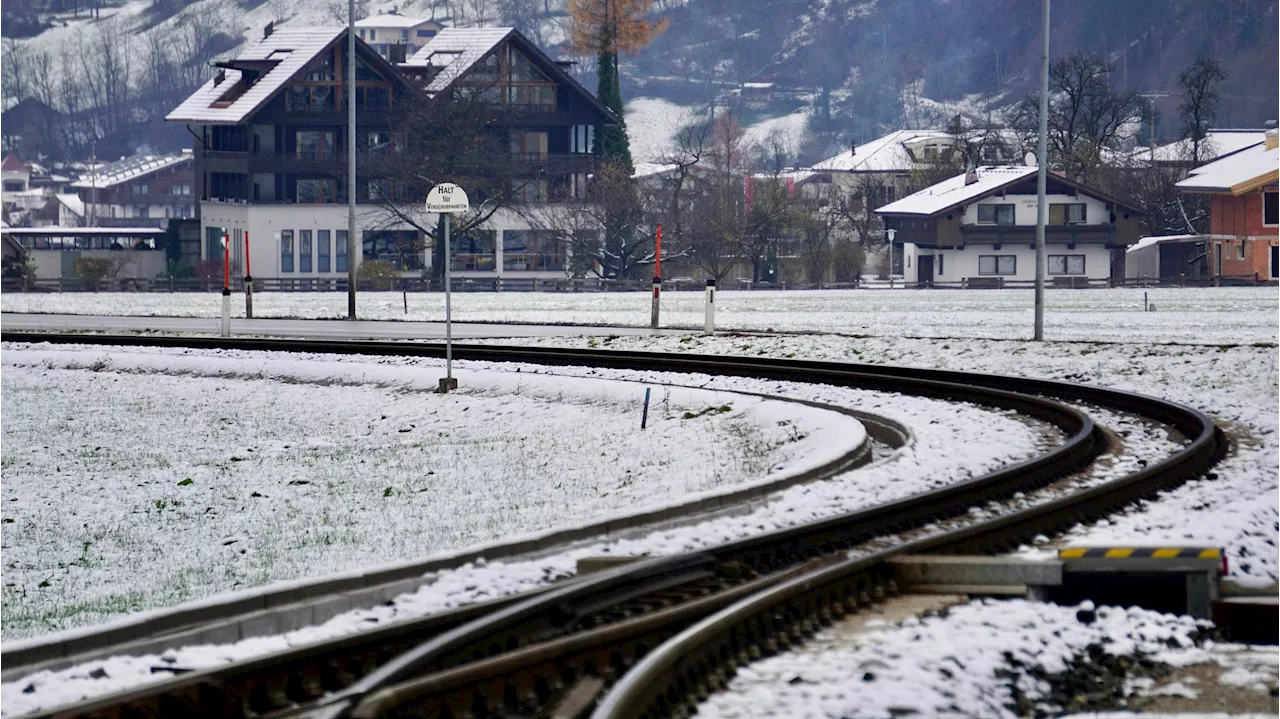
(771, 557)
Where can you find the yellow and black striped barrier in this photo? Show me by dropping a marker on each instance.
(1148, 559)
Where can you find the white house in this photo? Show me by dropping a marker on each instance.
(382, 32)
(980, 227)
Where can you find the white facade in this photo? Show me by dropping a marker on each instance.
(267, 259)
(958, 265)
(382, 31)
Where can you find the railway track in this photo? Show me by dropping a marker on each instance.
(669, 629)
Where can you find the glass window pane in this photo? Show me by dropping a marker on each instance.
(286, 250)
(304, 251)
(1004, 214)
(1007, 265)
(340, 251)
(1057, 264)
(322, 250)
(986, 264)
(1075, 264)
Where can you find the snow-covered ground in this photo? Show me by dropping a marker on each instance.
(652, 125)
(1229, 315)
(952, 442)
(981, 659)
(1236, 385)
(219, 473)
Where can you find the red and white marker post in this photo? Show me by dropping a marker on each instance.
(248, 281)
(226, 282)
(657, 278)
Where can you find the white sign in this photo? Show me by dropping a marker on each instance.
(447, 198)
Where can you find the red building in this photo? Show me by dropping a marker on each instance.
(1244, 217)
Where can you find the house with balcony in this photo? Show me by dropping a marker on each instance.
(136, 191)
(271, 155)
(979, 229)
(397, 37)
(1244, 212)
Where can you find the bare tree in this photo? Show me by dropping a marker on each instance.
(692, 146)
(719, 217)
(1086, 115)
(1199, 102)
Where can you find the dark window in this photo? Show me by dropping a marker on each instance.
(475, 251)
(372, 96)
(315, 191)
(340, 252)
(322, 250)
(286, 250)
(532, 250)
(997, 265)
(1270, 211)
(213, 243)
(399, 247)
(582, 138)
(995, 214)
(426, 33)
(533, 97)
(315, 145)
(938, 262)
(304, 250)
(1240, 250)
(1066, 264)
(1067, 214)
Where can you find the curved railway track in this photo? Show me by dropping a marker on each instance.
(669, 629)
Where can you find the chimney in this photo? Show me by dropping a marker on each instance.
(1272, 140)
(270, 28)
(853, 148)
(396, 53)
(970, 177)
(217, 79)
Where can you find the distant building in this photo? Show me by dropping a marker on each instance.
(271, 158)
(396, 37)
(144, 187)
(1216, 143)
(31, 127)
(980, 227)
(16, 174)
(1243, 216)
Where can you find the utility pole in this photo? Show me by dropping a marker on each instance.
(1151, 127)
(352, 257)
(1042, 173)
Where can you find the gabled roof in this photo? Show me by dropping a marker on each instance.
(274, 61)
(1237, 174)
(13, 164)
(72, 202)
(130, 168)
(283, 54)
(455, 51)
(953, 192)
(1220, 143)
(401, 21)
(884, 154)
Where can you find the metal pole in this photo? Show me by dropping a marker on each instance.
(352, 257)
(657, 278)
(1042, 173)
(448, 382)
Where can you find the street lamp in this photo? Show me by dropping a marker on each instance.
(891, 234)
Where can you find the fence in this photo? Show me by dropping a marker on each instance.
(536, 284)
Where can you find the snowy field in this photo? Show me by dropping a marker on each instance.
(1236, 385)
(953, 442)
(1228, 315)
(217, 473)
(988, 659)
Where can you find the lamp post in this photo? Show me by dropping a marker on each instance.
(891, 234)
(352, 257)
(1042, 169)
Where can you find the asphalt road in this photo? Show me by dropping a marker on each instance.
(314, 329)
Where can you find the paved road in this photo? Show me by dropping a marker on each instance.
(316, 329)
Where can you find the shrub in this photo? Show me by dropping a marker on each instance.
(94, 269)
(383, 274)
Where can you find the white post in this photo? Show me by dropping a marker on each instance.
(1042, 170)
(711, 306)
(226, 313)
(352, 258)
(891, 234)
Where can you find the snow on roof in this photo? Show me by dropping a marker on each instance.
(954, 191)
(1162, 239)
(379, 21)
(456, 49)
(884, 154)
(131, 168)
(72, 203)
(1219, 144)
(649, 169)
(290, 48)
(1238, 173)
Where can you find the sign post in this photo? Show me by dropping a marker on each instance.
(447, 199)
(710, 326)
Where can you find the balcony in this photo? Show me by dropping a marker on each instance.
(1057, 234)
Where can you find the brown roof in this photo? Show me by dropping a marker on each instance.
(13, 164)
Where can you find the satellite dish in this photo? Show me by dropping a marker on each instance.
(1030, 159)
